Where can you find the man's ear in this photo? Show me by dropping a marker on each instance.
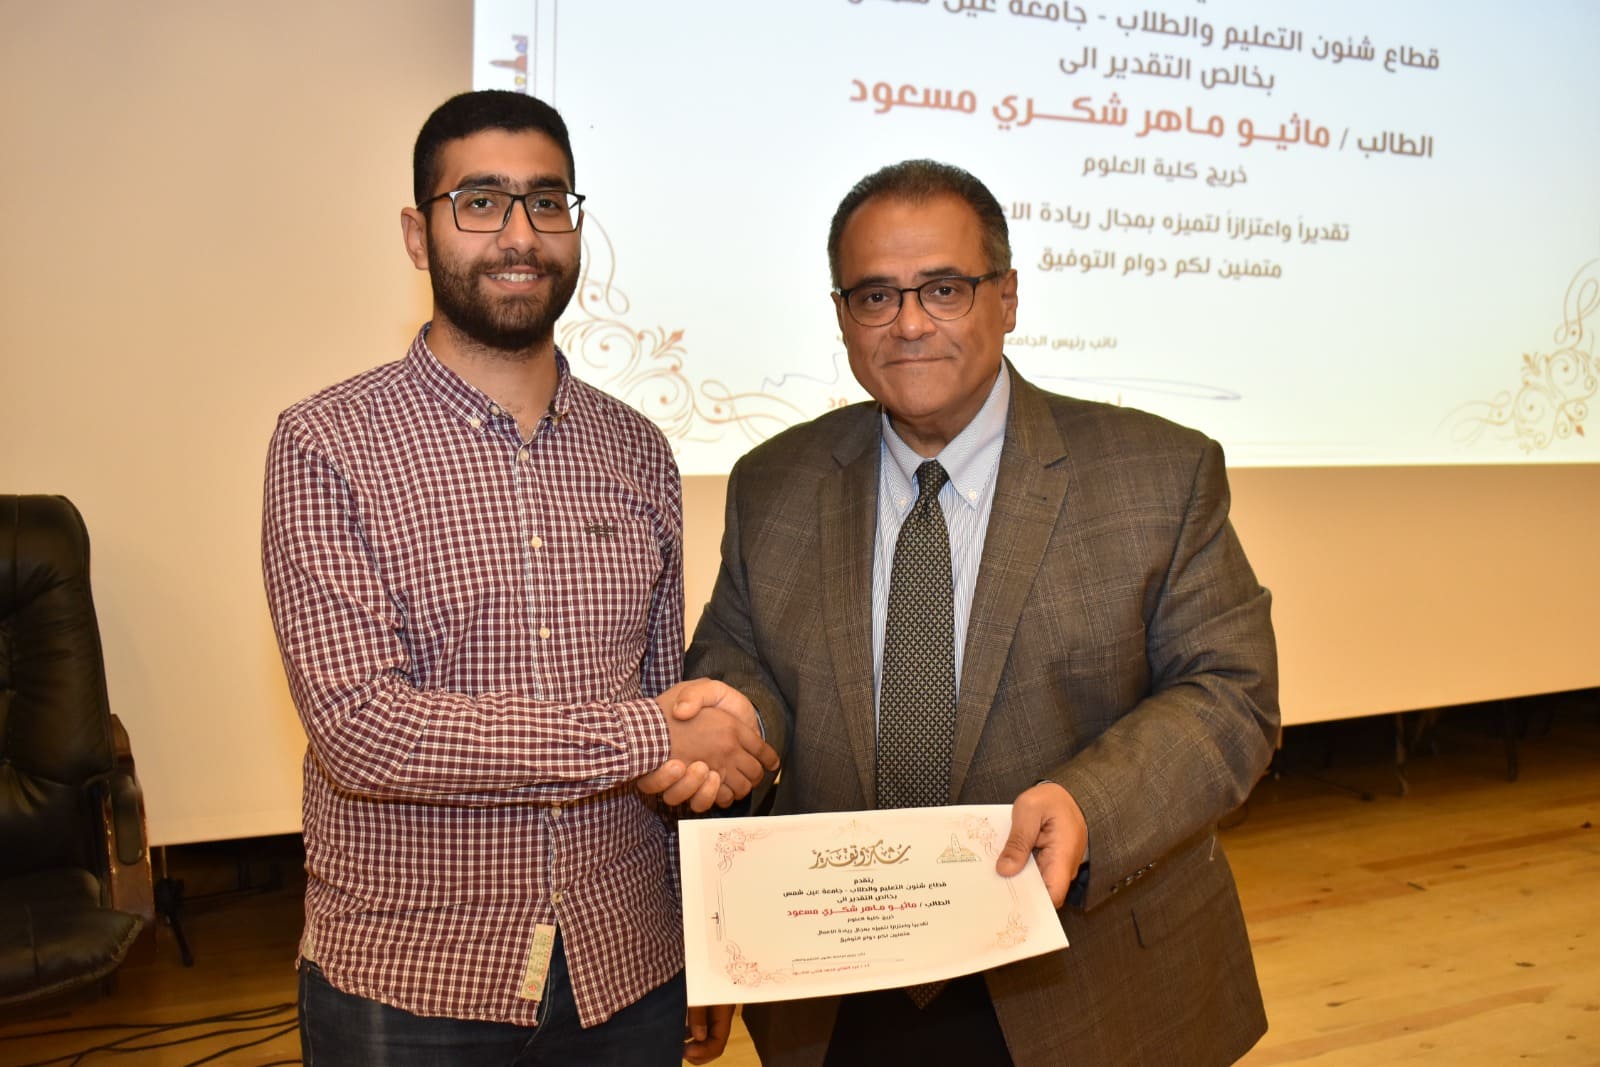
(1008, 298)
(414, 229)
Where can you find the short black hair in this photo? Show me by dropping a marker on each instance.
(917, 180)
(486, 109)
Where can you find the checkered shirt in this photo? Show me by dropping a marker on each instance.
(474, 628)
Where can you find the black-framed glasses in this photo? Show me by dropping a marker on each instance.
(942, 298)
(489, 210)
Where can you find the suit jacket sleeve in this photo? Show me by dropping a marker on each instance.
(1192, 747)
(725, 641)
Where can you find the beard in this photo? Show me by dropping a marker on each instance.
(505, 324)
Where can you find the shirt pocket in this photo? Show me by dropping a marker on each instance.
(612, 567)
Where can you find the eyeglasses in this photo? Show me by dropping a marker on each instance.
(942, 298)
(489, 210)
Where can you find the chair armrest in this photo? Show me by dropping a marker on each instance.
(126, 852)
(127, 801)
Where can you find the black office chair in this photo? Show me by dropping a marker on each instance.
(74, 870)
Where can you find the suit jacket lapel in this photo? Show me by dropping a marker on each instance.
(1030, 490)
(847, 516)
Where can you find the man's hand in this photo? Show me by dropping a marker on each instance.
(686, 699)
(717, 753)
(694, 784)
(707, 1032)
(1048, 823)
(723, 743)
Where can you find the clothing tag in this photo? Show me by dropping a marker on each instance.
(544, 942)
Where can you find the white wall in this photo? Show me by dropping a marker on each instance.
(175, 272)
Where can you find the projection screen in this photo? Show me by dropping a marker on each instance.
(1327, 235)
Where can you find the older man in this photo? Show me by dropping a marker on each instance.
(974, 591)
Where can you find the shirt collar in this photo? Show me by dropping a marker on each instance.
(470, 404)
(970, 459)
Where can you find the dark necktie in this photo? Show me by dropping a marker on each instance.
(917, 697)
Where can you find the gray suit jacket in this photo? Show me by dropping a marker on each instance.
(1119, 644)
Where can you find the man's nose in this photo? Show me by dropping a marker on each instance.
(913, 321)
(519, 233)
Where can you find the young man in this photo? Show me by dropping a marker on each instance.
(1081, 637)
(474, 565)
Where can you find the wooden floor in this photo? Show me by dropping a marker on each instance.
(1457, 924)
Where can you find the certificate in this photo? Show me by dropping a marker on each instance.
(793, 906)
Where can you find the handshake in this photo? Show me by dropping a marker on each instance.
(718, 754)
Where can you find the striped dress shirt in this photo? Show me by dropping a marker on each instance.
(971, 459)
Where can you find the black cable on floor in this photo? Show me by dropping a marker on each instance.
(150, 1030)
(121, 1046)
(291, 1028)
(242, 1016)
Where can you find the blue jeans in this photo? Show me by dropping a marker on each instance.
(341, 1030)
